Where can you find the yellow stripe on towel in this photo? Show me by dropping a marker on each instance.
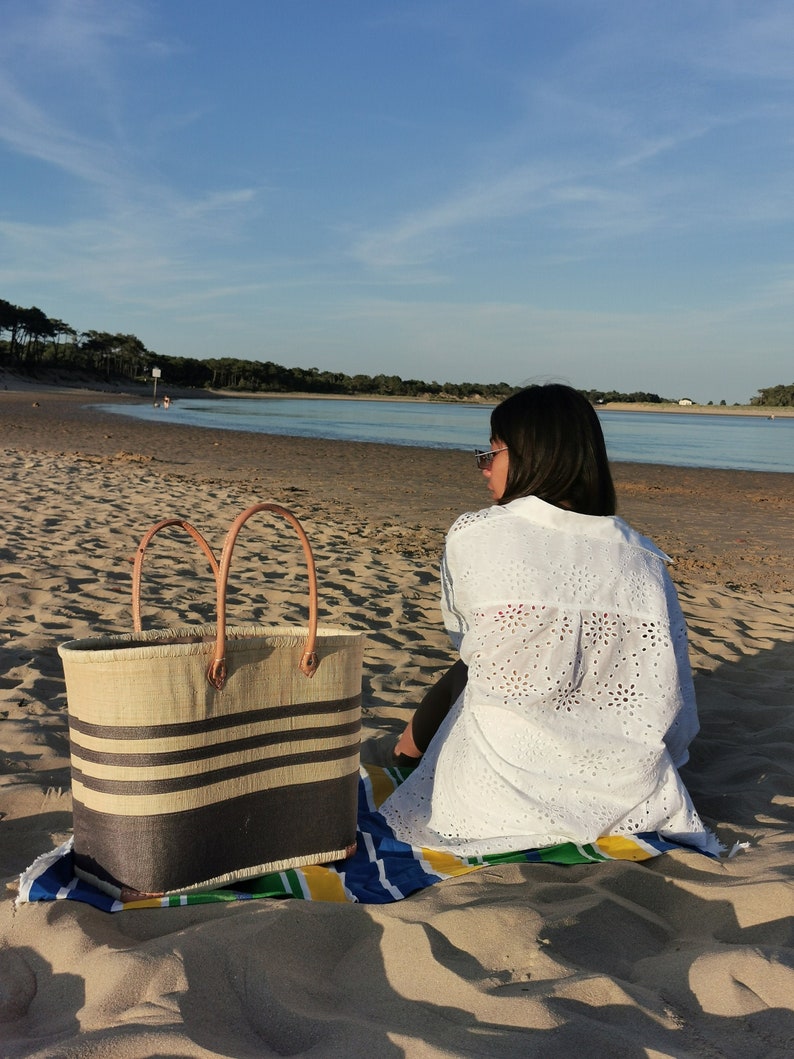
(381, 783)
(446, 864)
(323, 884)
(620, 847)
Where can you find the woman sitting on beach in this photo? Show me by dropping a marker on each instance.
(572, 705)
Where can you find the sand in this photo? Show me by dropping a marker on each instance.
(680, 956)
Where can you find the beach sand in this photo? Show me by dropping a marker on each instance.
(680, 956)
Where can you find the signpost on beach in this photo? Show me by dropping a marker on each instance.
(156, 373)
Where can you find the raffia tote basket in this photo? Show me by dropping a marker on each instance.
(206, 755)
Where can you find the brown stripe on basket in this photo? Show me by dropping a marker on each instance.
(205, 766)
(149, 797)
(248, 835)
(241, 768)
(244, 745)
(214, 724)
(187, 739)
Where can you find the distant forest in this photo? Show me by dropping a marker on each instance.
(37, 344)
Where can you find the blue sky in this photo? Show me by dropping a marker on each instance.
(481, 190)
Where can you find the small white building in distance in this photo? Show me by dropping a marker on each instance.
(685, 400)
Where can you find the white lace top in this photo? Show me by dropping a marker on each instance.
(579, 704)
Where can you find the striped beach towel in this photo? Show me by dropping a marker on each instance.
(381, 871)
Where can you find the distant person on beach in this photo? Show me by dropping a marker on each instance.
(572, 705)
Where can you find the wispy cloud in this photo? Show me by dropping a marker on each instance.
(621, 137)
(133, 231)
(64, 51)
(756, 42)
(414, 238)
(584, 198)
(26, 128)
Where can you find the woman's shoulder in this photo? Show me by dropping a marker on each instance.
(522, 514)
(470, 519)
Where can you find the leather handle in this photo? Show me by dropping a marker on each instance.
(216, 674)
(139, 554)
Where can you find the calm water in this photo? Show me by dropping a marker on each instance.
(751, 443)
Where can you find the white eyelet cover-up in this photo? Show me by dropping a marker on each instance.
(579, 705)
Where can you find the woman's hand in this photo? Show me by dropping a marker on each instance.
(406, 745)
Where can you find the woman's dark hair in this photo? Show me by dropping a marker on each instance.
(556, 449)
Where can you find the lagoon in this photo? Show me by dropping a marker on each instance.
(735, 442)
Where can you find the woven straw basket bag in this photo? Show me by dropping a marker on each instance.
(206, 755)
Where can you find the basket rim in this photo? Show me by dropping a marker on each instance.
(196, 636)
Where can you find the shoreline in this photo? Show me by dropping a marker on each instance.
(23, 384)
(613, 406)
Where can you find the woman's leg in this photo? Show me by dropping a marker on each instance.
(430, 712)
